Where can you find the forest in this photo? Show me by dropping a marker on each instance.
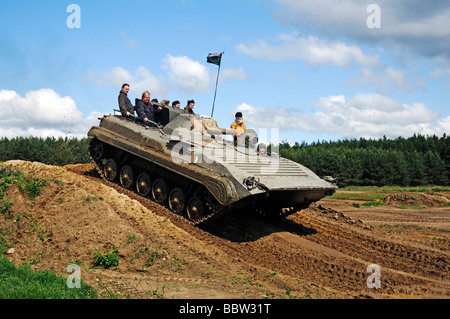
(50, 150)
(413, 161)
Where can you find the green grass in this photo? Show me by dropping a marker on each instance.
(24, 283)
(378, 202)
(26, 184)
(357, 196)
(415, 207)
(108, 259)
(396, 189)
(373, 193)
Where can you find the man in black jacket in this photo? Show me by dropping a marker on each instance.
(189, 109)
(145, 109)
(126, 108)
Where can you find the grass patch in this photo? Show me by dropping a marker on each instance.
(358, 196)
(24, 283)
(148, 255)
(5, 207)
(397, 189)
(109, 259)
(33, 187)
(374, 193)
(176, 264)
(26, 184)
(415, 207)
(378, 202)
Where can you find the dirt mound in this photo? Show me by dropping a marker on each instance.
(75, 215)
(320, 252)
(417, 199)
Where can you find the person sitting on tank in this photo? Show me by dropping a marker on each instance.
(165, 103)
(126, 108)
(156, 105)
(238, 125)
(162, 116)
(189, 109)
(161, 111)
(176, 104)
(145, 109)
(261, 149)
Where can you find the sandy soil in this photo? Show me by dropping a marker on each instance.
(320, 252)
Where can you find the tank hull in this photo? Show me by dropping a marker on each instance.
(210, 176)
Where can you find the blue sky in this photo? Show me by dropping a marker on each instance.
(314, 70)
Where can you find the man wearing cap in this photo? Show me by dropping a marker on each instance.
(238, 125)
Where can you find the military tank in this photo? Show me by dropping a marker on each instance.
(198, 170)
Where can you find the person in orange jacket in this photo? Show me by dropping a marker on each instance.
(238, 125)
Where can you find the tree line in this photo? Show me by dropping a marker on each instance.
(413, 161)
(53, 151)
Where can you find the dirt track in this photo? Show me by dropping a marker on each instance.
(320, 252)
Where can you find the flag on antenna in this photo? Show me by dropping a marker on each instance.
(214, 58)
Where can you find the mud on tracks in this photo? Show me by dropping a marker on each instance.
(320, 252)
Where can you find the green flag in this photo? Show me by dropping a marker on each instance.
(214, 58)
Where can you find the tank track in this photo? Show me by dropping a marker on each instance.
(215, 209)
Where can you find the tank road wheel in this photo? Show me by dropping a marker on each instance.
(261, 212)
(110, 170)
(196, 209)
(160, 191)
(269, 212)
(97, 149)
(126, 176)
(177, 200)
(143, 184)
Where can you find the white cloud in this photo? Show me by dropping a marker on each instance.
(386, 80)
(409, 28)
(312, 50)
(131, 43)
(233, 74)
(415, 25)
(42, 113)
(442, 69)
(189, 75)
(142, 80)
(364, 115)
(445, 124)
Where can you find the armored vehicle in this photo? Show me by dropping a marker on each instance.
(199, 170)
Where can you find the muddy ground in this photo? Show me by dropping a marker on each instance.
(320, 252)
